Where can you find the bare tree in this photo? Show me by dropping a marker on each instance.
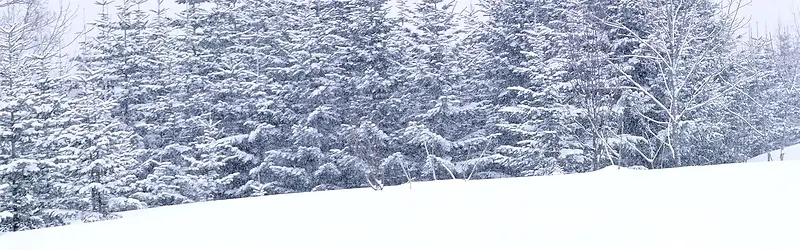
(689, 44)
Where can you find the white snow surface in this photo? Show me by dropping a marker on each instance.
(740, 206)
(790, 153)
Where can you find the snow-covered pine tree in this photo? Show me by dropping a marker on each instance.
(97, 155)
(371, 98)
(367, 61)
(613, 129)
(571, 109)
(429, 34)
(185, 91)
(6, 212)
(367, 146)
(30, 103)
(546, 118)
(506, 25)
(474, 98)
(435, 97)
(784, 95)
(507, 36)
(120, 43)
(159, 97)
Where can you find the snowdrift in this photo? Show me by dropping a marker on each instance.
(790, 153)
(741, 206)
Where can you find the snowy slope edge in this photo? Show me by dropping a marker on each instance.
(738, 206)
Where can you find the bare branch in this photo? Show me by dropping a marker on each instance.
(642, 89)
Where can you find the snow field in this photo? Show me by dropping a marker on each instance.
(739, 206)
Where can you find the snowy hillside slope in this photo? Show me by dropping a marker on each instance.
(740, 206)
(791, 153)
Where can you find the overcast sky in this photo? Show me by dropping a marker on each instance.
(766, 14)
(769, 13)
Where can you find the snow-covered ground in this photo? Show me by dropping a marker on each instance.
(741, 206)
(790, 153)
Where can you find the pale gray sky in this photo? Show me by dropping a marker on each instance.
(766, 14)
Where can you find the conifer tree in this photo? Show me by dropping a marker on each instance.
(31, 100)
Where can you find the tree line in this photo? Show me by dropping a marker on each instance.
(239, 98)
